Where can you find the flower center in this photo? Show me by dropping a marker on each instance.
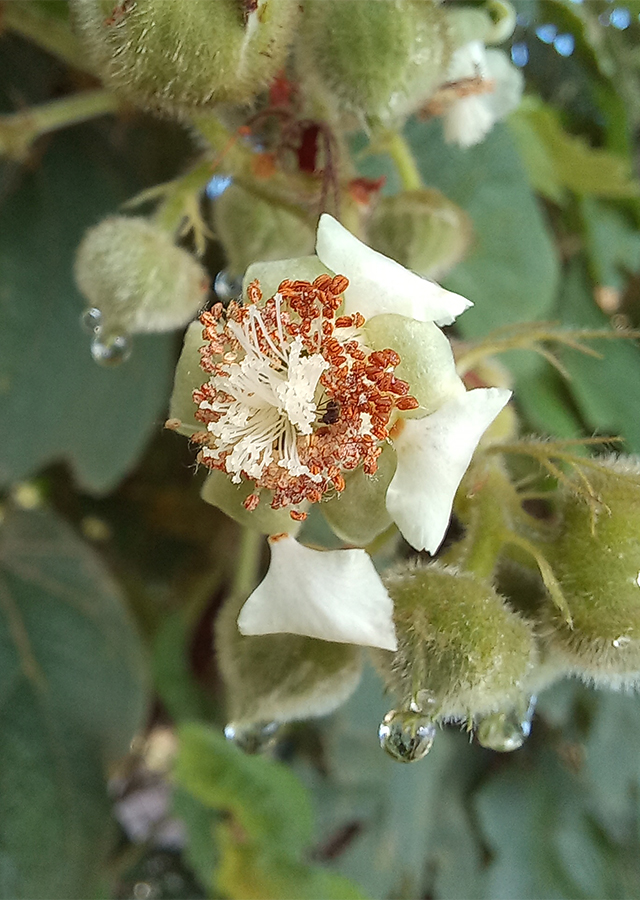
(294, 397)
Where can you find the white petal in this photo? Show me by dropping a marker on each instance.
(433, 455)
(334, 595)
(378, 284)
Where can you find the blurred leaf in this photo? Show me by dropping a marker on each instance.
(511, 271)
(544, 400)
(265, 825)
(55, 402)
(557, 161)
(173, 676)
(72, 694)
(533, 813)
(614, 735)
(392, 807)
(606, 390)
(613, 243)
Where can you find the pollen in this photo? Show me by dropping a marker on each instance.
(294, 397)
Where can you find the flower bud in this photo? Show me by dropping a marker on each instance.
(136, 280)
(178, 57)
(597, 563)
(377, 59)
(421, 230)
(462, 653)
(359, 514)
(252, 229)
(281, 677)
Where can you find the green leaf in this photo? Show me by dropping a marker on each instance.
(613, 243)
(72, 695)
(557, 161)
(392, 806)
(511, 272)
(606, 390)
(535, 818)
(55, 402)
(266, 823)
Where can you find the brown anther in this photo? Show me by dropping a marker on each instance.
(399, 387)
(251, 502)
(297, 515)
(339, 284)
(359, 320)
(407, 402)
(254, 293)
(344, 322)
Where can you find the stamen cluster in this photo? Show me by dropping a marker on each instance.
(294, 397)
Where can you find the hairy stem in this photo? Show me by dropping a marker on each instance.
(19, 130)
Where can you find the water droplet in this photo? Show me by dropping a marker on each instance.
(406, 735)
(621, 641)
(91, 320)
(226, 288)
(111, 351)
(424, 702)
(252, 738)
(506, 731)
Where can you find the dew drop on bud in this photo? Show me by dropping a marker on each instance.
(226, 288)
(406, 735)
(111, 351)
(252, 738)
(506, 731)
(91, 320)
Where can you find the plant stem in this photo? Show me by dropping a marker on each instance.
(400, 152)
(49, 33)
(19, 130)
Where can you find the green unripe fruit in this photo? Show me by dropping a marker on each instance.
(599, 573)
(379, 58)
(422, 230)
(137, 279)
(178, 56)
(459, 645)
(359, 514)
(281, 677)
(251, 230)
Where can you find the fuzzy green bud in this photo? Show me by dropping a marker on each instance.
(422, 230)
(597, 563)
(135, 279)
(379, 59)
(178, 57)
(462, 653)
(252, 229)
(281, 677)
(359, 514)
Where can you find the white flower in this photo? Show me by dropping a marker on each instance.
(470, 118)
(335, 595)
(297, 395)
